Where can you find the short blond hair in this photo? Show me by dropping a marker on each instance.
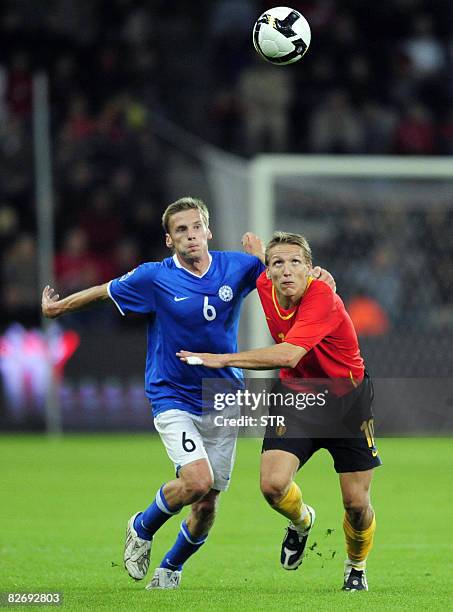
(288, 238)
(186, 203)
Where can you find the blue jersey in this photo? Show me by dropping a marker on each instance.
(186, 311)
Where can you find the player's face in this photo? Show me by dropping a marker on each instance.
(188, 235)
(288, 271)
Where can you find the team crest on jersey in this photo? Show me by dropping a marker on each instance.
(226, 293)
(126, 276)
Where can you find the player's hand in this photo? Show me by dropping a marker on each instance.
(209, 360)
(49, 301)
(325, 276)
(253, 245)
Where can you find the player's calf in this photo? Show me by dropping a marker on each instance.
(202, 514)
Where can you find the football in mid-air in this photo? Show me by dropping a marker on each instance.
(281, 35)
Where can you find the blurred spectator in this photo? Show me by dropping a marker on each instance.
(144, 224)
(415, 133)
(358, 79)
(126, 256)
(15, 162)
(19, 272)
(225, 109)
(379, 128)
(9, 223)
(135, 113)
(232, 16)
(122, 183)
(76, 267)
(368, 316)
(437, 232)
(138, 26)
(354, 235)
(19, 86)
(446, 133)
(265, 94)
(336, 127)
(401, 83)
(100, 223)
(381, 275)
(3, 102)
(423, 49)
(80, 125)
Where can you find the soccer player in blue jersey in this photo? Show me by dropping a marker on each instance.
(190, 299)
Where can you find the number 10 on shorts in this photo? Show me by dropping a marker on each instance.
(368, 428)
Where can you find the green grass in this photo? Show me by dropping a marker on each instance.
(64, 505)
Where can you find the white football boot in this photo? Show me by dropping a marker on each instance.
(136, 552)
(164, 579)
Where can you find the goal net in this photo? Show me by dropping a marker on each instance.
(383, 227)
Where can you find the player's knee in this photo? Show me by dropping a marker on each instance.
(273, 487)
(195, 490)
(356, 508)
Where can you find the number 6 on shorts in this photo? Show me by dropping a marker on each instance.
(187, 444)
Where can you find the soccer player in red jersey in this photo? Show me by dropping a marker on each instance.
(315, 341)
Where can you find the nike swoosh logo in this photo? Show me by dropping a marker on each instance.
(177, 299)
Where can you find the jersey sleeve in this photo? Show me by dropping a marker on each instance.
(134, 292)
(316, 318)
(253, 268)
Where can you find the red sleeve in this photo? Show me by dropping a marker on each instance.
(317, 317)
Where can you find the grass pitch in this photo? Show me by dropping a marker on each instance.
(64, 505)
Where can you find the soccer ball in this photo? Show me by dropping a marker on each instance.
(281, 35)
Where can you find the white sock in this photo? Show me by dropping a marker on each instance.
(300, 526)
(360, 566)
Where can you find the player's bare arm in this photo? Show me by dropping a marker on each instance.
(52, 307)
(253, 245)
(284, 355)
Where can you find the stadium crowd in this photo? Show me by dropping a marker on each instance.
(372, 84)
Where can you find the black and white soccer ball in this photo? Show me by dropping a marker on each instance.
(281, 35)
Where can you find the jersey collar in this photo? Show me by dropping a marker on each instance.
(290, 311)
(178, 265)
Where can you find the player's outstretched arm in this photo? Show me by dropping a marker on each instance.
(284, 355)
(52, 307)
(253, 245)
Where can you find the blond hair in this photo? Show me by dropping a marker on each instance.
(288, 238)
(186, 203)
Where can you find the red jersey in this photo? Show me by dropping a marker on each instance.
(321, 325)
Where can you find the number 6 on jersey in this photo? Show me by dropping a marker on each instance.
(209, 312)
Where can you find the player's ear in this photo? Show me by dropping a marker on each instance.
(209, 234)
(168, 241)
(268, 274)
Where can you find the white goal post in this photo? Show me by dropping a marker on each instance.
(266, 170)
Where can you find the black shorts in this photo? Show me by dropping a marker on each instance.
(344, 427)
